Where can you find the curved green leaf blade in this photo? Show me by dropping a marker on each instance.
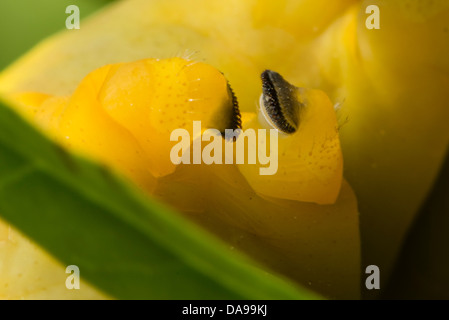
(123, 243)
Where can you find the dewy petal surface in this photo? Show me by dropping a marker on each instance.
(390, 82)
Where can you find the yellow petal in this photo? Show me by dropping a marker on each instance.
(242, 51)
(309, 161)
(392, 85)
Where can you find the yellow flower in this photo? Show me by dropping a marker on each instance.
(388, 82)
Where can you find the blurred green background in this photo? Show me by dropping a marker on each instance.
(23, 23)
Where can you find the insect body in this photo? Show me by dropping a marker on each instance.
(279, 102)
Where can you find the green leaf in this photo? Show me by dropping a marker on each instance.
(124, 243)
